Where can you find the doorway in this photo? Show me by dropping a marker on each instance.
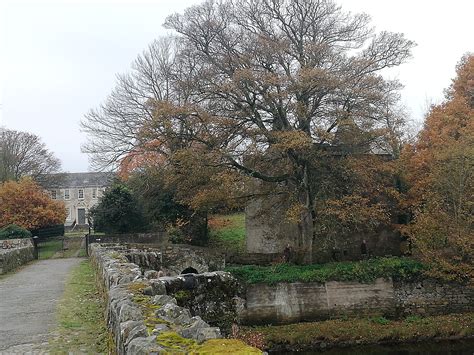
(81, 216)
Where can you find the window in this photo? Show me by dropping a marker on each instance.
(67, 195)
(54, 194)
(80, 194)
(94, 192)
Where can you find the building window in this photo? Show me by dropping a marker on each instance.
(94, 192)
(54, 194)
(80, 194)
(67, 195)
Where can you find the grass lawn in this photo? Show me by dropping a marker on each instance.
(227, 232)
(364, 271)
(302, 336)
(53, 247)
(80, 315)
(50, 247)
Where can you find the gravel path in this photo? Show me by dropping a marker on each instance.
(28, 301)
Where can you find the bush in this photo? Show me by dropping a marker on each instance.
(13, 231)
(118, 212)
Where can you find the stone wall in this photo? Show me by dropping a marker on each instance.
(139, 238)
(214, 296)
(268, 232)
(432, 297)
(194, 304)
(14, 253)
(295, 302)
(139, 308)
(173, 259)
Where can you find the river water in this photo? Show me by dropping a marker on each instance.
(458, 347)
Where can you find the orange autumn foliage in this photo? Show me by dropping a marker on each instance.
(27, 205)
(440, 174)
(148, 155)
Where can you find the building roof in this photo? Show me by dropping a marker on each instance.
(74, 180)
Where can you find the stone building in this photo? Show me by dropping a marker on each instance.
(268, 231)
(79, 192)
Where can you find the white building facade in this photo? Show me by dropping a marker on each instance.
(79, 192)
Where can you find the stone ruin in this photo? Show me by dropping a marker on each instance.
(144, 308)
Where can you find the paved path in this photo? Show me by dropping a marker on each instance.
(28, 301)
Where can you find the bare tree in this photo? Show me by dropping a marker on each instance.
(259, 78)
(23, 154)
(116, 127)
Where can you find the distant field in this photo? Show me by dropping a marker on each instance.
(227, 232)
(49, 248)
(53, 248)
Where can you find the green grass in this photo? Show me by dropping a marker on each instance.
(227, 232)
(363, 331)
(49, 248)
(53, 248)
(363, 271)
(81, 324)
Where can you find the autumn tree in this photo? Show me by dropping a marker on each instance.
(258, 88)
(23, 154)
(440, 173)
(27, 205)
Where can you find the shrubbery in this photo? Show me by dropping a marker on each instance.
(118, 212)
(13, 231)
(363, 271)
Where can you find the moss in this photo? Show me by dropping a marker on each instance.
(225, 346)
(116, 255)
(182, 296)
(174, 341)
(147, 307)
(136, 287)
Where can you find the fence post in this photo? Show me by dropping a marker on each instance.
(87, 243)
(35, 247)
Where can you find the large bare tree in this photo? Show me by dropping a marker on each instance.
(23, 154)
(276, 79)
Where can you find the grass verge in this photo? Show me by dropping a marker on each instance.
(363, 271)
(333, 333)
(227, 232)
(81, 324)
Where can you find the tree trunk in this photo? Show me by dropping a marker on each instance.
(306, 226)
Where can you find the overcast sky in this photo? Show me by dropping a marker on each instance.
(58, 59)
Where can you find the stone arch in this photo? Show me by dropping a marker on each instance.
(189, 270)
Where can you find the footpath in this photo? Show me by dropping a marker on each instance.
(28, 301)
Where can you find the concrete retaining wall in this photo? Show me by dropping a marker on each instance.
(14, 253)
(295, 302)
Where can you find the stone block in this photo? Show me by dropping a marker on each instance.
(204, 334)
